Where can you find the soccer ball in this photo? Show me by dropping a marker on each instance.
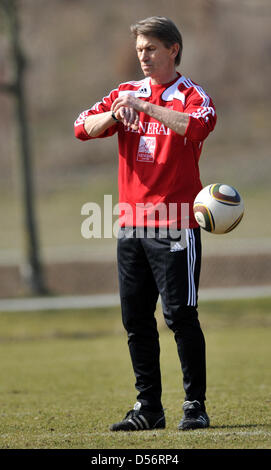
(218, 208)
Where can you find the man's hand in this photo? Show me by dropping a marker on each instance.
(124, 109)
(127, 107)
(128, 116)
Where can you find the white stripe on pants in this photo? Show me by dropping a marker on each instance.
(191, 260)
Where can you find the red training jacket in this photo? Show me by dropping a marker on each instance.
(158, 168)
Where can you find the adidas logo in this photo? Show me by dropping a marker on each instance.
(139, 422)
(176, 246)
(143, 90)
(202, 420)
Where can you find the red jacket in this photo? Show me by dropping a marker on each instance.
(157, 166)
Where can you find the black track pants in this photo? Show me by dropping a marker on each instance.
(148, 267)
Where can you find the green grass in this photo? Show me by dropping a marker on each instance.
(60, 372)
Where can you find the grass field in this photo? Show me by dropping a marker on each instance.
(66, 376)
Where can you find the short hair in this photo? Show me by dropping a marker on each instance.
(161, 28)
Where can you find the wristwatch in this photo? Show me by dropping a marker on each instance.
(114, 116)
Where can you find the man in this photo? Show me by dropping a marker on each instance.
(161, 122)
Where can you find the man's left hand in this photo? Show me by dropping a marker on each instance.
(127, 105)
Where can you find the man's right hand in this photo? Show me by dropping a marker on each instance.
(128, 116)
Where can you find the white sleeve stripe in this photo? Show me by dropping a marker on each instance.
(206, 100)
(107, 96)
(95, 107)
(203, 112)
(205, 109)
(81, 118)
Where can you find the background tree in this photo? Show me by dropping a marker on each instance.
(33, 269)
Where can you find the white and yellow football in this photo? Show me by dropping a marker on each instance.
(218, 208)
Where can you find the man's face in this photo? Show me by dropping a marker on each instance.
(155, 59)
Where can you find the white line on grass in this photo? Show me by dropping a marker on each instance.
(59, 303)
(213, 245)
(112, 300)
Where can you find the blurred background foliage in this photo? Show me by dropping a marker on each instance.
(76, 52)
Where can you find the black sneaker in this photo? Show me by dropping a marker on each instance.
(137, 420)
(194, 417)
